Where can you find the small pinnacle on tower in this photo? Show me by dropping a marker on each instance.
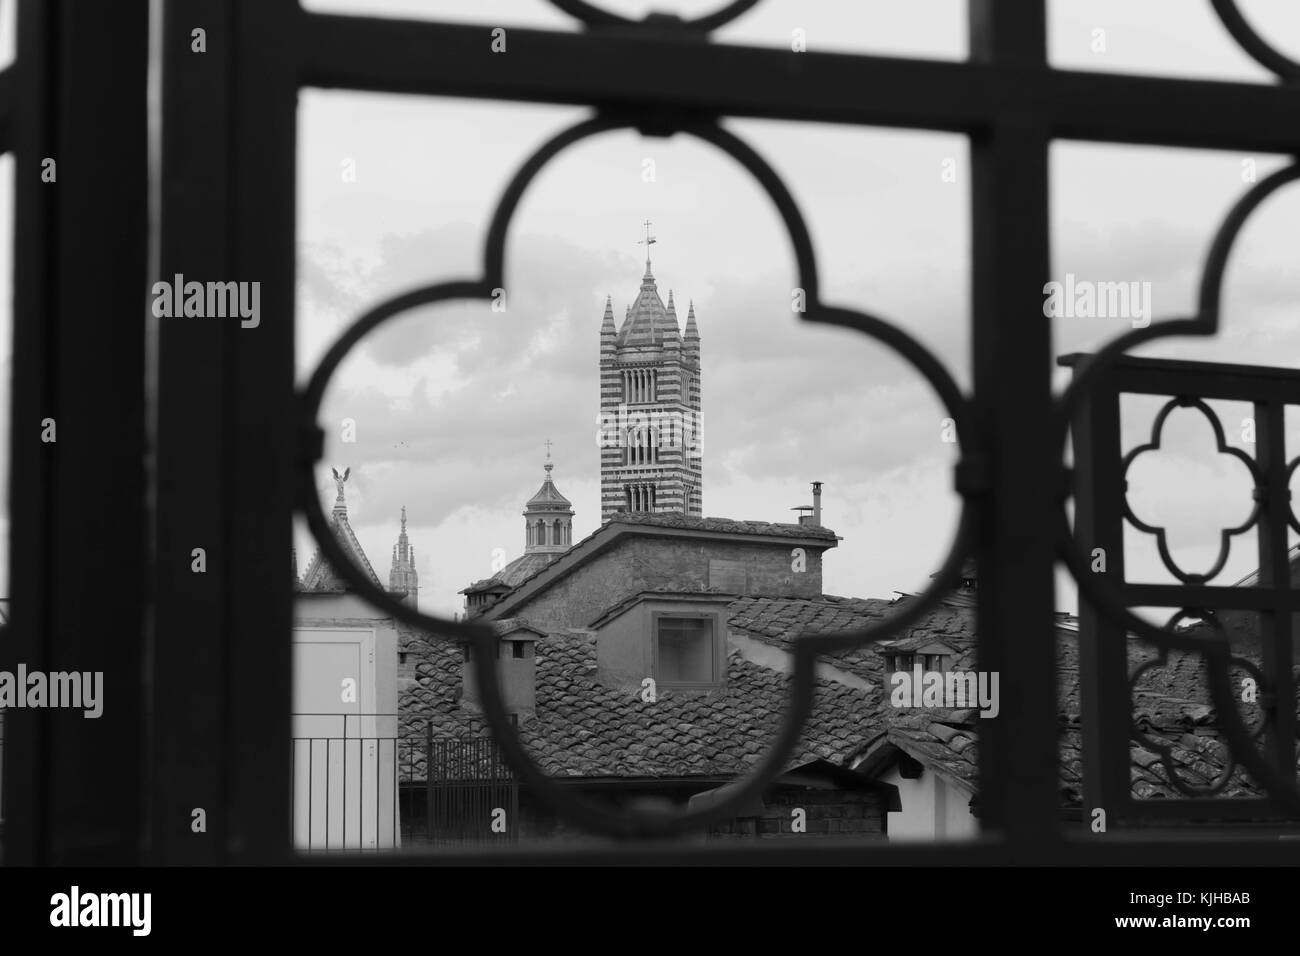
(648, 241)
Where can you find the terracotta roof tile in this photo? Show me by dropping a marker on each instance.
(600, 731)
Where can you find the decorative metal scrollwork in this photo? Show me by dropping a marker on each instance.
(594, 16)
(564, 803)
(1105, 596)
(1254, 44)
(969, 473)
(1172, 766)
(1226, 534)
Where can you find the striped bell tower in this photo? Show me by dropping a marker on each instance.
(651, 430)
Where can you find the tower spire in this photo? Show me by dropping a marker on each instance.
(648, 241)
(651, 361)
(402, 577)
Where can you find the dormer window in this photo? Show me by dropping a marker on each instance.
(686, 649)
(934, 657)
(936, 662)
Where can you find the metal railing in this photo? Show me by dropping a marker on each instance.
(1261, 651)
(386, 782)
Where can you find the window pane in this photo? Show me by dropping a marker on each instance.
(685, 649)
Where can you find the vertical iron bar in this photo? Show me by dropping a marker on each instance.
(1105, 698)
(345, 785)
(31, 529)
(189, 374)
(1275, 572)
(428, 779)
(78, 345)
(261, 425)
(1011, 345)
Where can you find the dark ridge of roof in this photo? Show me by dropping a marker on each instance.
(780, 621)
(723, 525)
(321, 577)
(669, 521)
(615, 610)
(508, 625)
(518, 570)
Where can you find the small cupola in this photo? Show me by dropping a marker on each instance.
(548, 517)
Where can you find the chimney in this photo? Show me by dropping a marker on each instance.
(516, 660)
(813, 520)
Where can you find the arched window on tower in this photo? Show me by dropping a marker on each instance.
(528, 529)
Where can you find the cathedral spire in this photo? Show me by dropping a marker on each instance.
(402, 578)
(692, 337)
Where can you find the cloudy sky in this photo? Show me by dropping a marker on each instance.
(453, 403)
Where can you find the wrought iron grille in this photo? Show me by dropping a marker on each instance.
(222, 401)
(1267, 654)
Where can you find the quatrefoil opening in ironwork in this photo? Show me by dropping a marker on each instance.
(1223, 448)
(969, 475)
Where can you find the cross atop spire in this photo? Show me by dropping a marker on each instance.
(548, 464)
(648, 241)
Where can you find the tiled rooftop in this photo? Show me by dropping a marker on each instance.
(583, 728)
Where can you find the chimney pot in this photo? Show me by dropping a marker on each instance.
(817, 503)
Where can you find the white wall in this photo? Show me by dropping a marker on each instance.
(933, 809)
(344, 781)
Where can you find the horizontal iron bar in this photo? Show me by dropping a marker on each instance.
(1221, 810)
(1243, 383)
(1211, 596)
(1139, 363)
(434, 59)
(1219, 848)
